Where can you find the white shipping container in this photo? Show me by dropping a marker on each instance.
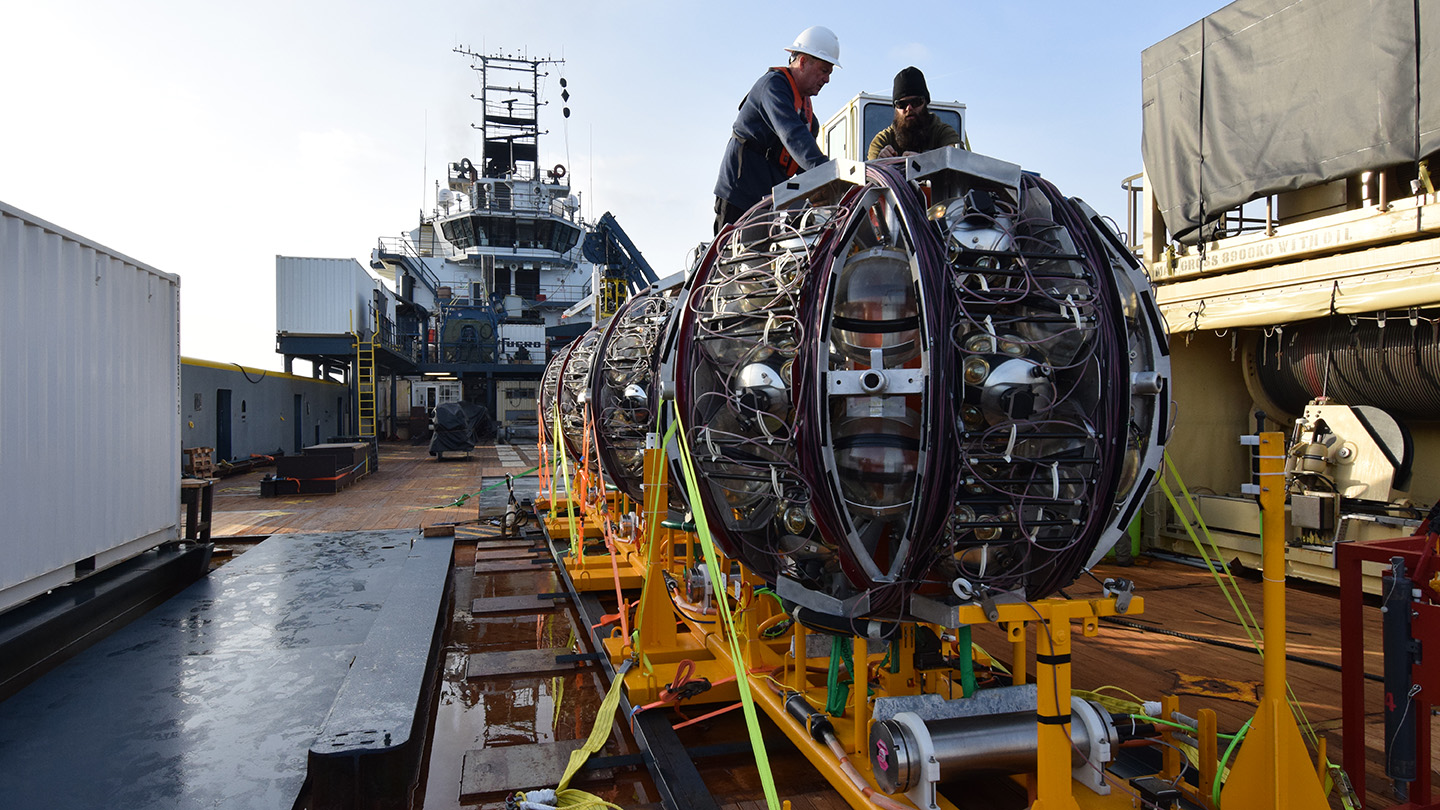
(323, 296)
(89, 406)
(527, 336)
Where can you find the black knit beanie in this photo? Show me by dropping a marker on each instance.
(910, 82)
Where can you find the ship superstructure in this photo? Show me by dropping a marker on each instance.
(489, 273)
(470, 303)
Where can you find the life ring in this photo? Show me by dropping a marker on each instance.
(559, 171)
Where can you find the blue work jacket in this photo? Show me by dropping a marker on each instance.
(767, 123)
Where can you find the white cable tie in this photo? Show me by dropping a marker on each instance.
(775, 481)
(769, 437)
(1055, 479)
(705, 431)
(1010, 447)
(1070, 298)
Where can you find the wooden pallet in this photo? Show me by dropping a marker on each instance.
(199, 461)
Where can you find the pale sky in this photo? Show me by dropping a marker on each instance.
(206, 138)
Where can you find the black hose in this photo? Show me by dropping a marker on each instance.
(836, 625)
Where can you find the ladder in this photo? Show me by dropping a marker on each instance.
(365, 385)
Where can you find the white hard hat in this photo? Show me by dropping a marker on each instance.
(819, 42)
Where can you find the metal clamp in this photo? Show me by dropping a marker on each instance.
(1122, 590)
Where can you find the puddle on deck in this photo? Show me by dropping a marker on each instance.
(518, 710)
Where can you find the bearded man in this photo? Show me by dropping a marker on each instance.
(916, 129)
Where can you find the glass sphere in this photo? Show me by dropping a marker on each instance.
(876, 296)
(877, 457)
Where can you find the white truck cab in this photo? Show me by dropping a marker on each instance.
(848, 132)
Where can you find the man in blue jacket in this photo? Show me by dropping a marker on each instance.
(773, 137)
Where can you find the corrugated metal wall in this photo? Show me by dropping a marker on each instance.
(89, 405)
(322, 296)
(265, 415)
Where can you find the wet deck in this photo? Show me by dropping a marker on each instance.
(1168, 649)
(302, 653)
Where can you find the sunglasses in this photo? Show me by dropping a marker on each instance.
(906, 103)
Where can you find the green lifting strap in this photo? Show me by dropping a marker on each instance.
(1226, 581)
(707, 545)
(577, 543)
(837, 691)
(460, 501)
(967, 660)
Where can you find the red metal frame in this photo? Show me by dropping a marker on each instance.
(1420, 560)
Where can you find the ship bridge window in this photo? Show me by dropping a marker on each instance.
(459, 232)
(562, 237)
(556, 235)
(500, 230)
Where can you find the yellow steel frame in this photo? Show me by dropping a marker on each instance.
(1273, 768)
(662, 649)
(1272, 755)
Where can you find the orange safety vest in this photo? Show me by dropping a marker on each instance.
(801, 105)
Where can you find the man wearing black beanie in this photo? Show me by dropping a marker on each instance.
(916, 129)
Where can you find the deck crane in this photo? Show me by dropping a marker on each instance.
(621, 269)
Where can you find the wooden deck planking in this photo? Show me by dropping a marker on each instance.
(1187, 600)
(403, 493)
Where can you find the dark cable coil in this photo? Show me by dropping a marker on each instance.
(1395, 368)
